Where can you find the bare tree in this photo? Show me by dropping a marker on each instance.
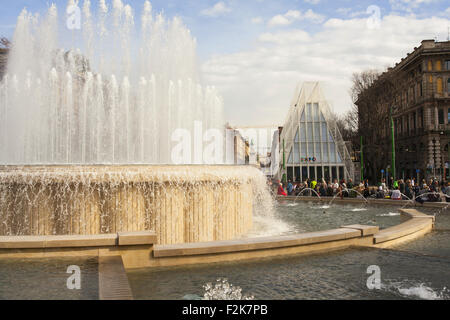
(373, 93)
(361, 82)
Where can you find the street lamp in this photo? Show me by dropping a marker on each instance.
(392, 110)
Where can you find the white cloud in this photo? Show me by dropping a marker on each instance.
(279, 20)
(312, 1)
(314, 17)
(220, 8)
(409, 5)
(258, 84)
(257, 20)
(295, 15)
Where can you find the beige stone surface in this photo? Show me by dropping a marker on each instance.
(404, 239)
(254, 243)
(258, 254)
(137, 238)
(414, 213)
(401, 230)
(28, 242)
(365, 230)
(19, 242)
(81, 241)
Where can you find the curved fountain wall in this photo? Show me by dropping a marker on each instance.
(181, 203)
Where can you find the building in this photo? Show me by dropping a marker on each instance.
(235, 147)
(275, 154)
(311, 145)
(416, 92)
(3, 61)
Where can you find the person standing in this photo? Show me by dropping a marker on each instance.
(281, 191)
(447, 192)
(290, 188)
(401, 186)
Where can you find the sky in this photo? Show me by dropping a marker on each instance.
(255, 52)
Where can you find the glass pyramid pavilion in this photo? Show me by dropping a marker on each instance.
(310, 142)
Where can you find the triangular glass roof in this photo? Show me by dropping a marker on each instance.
(311, 134)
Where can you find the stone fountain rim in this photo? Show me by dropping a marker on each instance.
(126, 173)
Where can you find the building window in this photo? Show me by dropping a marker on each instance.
(448, 116)
(441, 116)
(447, 65)
(430, 79)
(439, 86)
(438, 65)
(430, 65)
(448, 85)
(421, 118)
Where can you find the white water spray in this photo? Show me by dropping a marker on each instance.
(114, 96)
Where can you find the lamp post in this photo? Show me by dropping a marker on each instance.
(362, 159)
(448, 161)
(284, 177)
(393, 142)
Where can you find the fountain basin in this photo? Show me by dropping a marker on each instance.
(180, 203)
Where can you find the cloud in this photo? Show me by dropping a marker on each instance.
(258, 83)
(295, 15)
(279, 20)
(409, 5)
(220, 8)
(312, 1)
(257, 20)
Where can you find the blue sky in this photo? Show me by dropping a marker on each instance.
(256, 51)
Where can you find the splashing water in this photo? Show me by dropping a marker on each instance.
(411, 289)
(115, 96)
(358, 209)
(223, 290)
(390, 214)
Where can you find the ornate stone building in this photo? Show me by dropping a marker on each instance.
(417, 92)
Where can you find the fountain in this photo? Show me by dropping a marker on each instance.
(88, 134)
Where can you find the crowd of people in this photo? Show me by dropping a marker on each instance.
(410, 189)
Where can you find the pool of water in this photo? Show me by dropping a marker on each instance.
(337, 275)
(416, 270)
(298, 217)
(46, 279)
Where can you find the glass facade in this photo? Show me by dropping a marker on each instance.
(314, 153)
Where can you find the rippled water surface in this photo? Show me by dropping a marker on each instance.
(36, 279)
(297, 217)
(337, 275)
